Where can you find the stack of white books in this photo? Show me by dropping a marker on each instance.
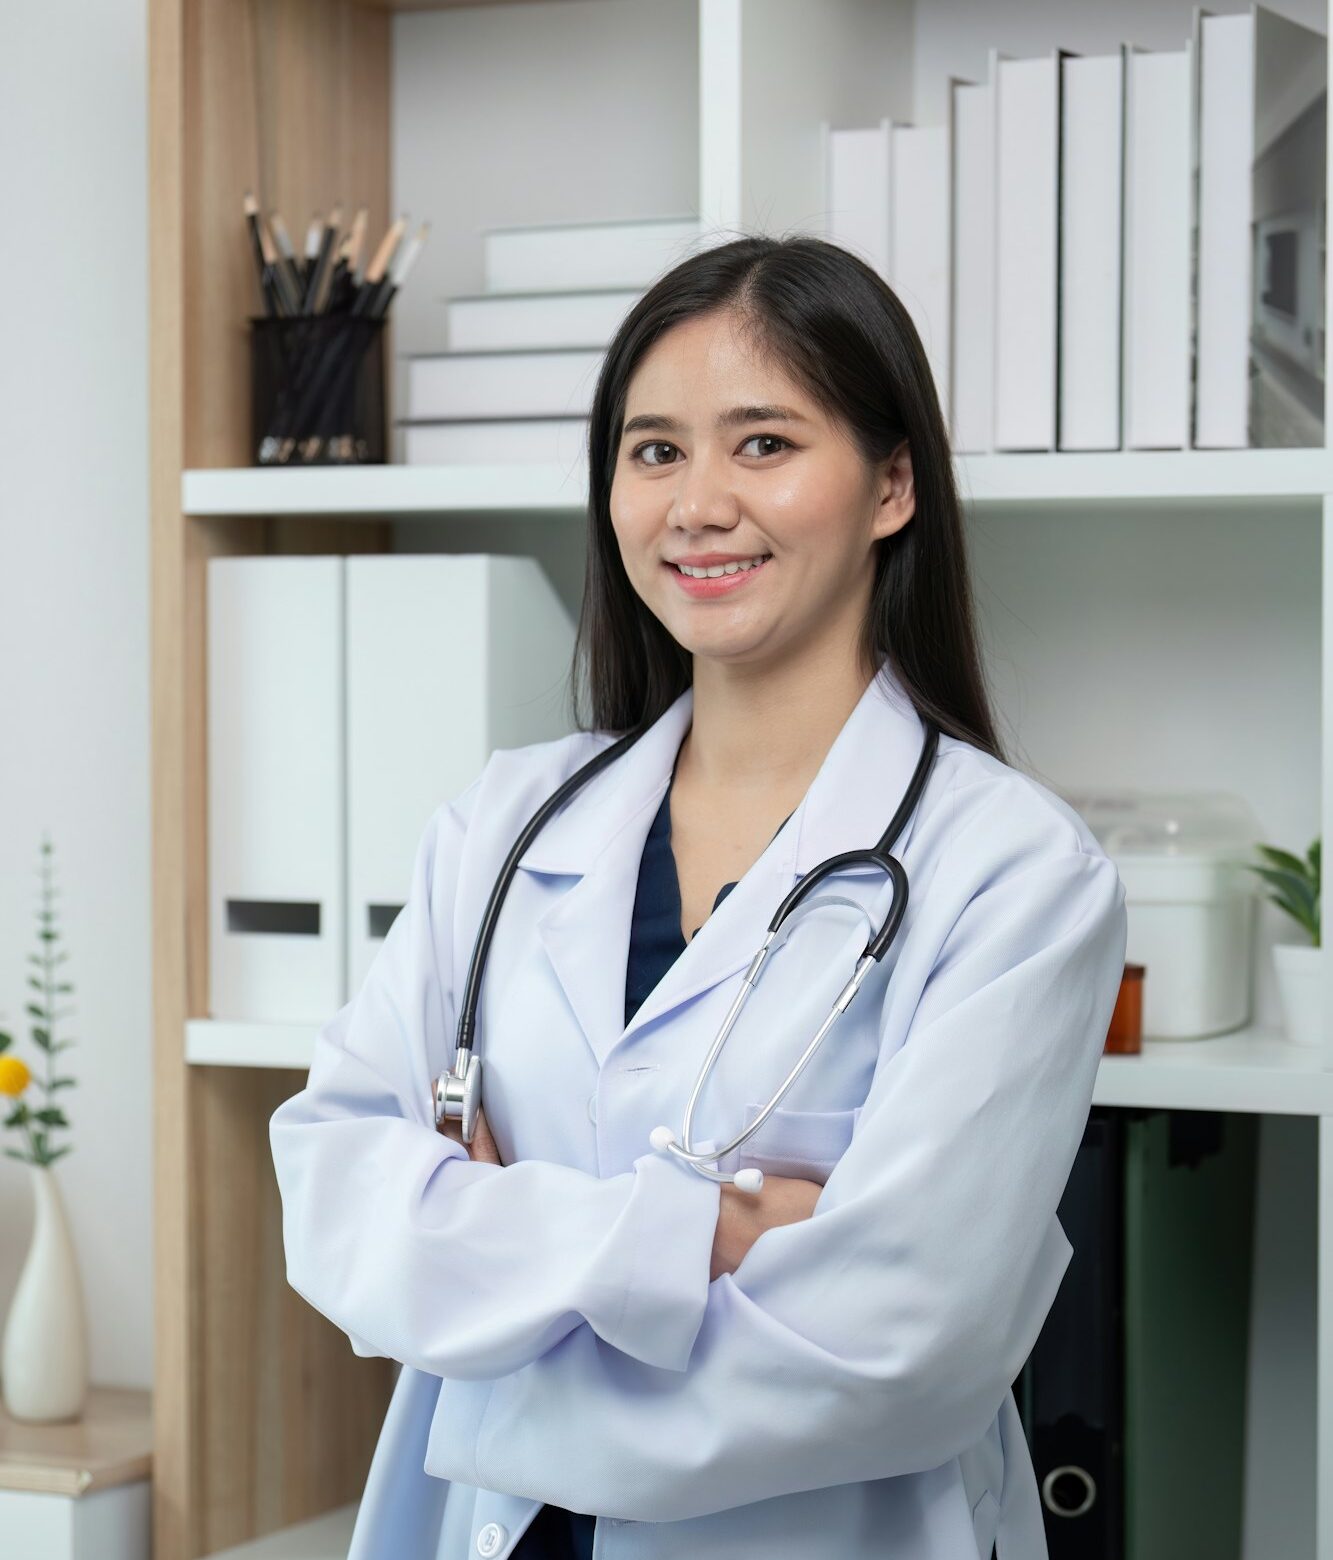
(518, 379)
(1120, 251)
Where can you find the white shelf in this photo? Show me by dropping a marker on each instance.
(212, 1042)
(1251, 1070)
(326, 1537)
(378, 491)
(1172, 477)
(1184, 477)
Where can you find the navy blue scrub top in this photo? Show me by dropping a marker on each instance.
(655, 943)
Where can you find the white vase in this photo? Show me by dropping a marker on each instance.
(44, 1363)
(1300, 984)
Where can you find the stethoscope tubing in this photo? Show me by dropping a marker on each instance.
(458, 1093)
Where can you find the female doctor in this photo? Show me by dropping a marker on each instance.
(606, 1350)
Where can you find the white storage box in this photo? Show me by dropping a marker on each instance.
(448, 658)
(1189, 902)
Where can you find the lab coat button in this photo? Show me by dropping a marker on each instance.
(592, 1107)
(490, 1541)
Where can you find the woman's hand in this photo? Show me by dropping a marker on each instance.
(743, 1216)
(482, 1147)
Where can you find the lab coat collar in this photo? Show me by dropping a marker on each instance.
(599, 837)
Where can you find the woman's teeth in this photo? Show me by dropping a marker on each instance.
(721, 568)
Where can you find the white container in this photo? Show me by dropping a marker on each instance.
(448, 658)
(276, 866)
(1300, 984)
(1189, 902)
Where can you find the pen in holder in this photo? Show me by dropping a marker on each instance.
(317, 390)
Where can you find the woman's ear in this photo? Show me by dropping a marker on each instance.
(894, 492)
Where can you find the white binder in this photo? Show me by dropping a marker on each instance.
(448, 658)
(275, 772)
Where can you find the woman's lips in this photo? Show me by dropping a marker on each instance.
(722, 585)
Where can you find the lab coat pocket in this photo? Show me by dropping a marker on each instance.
(801, 1143)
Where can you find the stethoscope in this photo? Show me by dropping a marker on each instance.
(458, 1092)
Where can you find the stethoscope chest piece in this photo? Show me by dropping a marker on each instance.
(458, 1093)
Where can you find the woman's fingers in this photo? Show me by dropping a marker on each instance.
(482, 1147)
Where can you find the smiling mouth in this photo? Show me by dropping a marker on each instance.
(718, 570)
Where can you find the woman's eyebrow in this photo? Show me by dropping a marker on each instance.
(734, 418)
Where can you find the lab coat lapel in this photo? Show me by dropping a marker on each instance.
(848, 806)
(599, 836)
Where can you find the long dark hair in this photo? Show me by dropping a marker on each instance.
(839, 330)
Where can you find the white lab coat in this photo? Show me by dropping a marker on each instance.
(846, 1392)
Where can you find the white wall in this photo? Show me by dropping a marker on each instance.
(74, 625)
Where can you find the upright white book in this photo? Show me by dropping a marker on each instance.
(586, 317)
(920, 220)
(1262, 110)
(972, 182)
(1092, 123)
(1027, 192)
(550, 382)
(857, 215)
(1158, 218)
(560, 255)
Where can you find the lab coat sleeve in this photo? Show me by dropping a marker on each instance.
(879, 1336)
(455, 1267)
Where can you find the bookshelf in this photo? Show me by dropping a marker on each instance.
(263, 1417)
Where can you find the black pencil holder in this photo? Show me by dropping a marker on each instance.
(317, 390)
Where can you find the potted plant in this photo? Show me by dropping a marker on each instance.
(44, 1355)
(1293, 886)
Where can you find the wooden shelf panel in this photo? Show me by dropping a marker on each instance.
(1186, 478)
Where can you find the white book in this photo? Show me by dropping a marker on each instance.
(1091, 188)
(565, 255)
(1027, 159)
(919, 229)
(487, 322)
(1155, 361)
(1263, 92)
(549, 382)
(499, 441)
(973, 266)
(857, 216)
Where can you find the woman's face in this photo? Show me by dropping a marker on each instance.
(700, 478)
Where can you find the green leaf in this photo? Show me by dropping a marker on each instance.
(5, 1040)
(1289, 884)
(63, 1083)
(56, 1153)
(65, 986)
(41, 1037)
(1283, 858)
(13, 1153)
(17, 1117)
(52, 1115)
(35, 1010)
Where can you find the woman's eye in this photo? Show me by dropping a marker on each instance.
(661, 444)
(769, 438)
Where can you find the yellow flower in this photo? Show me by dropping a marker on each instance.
(14, 1075)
